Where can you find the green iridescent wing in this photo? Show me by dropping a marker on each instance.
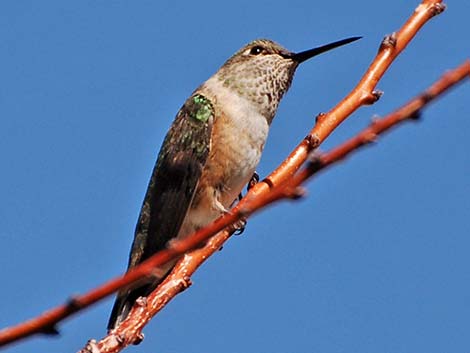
(170, 192)
(174, 178)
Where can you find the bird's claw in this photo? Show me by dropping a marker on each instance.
(239, 226)
(253, 181)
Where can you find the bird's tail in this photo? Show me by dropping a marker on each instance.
(126, 298)
(124, 302)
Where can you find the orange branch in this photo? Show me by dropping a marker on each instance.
(411, 110)
(129, 331)
(362, 94)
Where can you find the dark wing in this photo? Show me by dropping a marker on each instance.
(174, 179)
(170, 192)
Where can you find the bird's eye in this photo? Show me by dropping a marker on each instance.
(256, 50)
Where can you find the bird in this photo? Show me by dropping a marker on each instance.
(210, 153)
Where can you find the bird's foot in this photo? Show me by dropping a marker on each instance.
(239, 226)
(253, 181)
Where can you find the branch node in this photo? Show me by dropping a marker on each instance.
(437, 9)
(186, 282)
(389, 42)
(139, 337)
(270, 184)
(371, 97)
(369, 137)
(426, 97)
(298, 193)
(313, 140)
(315, 161)
(377, 94)
(51, 330)
(90, 347)
(73, 303)
(320, 117)
(142, 302)
(416, 115)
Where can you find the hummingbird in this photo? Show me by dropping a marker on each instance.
(210, 153)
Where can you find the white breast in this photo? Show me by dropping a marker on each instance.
(238, 137)
(242, 132)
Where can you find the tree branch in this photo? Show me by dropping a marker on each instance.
(129, 332)
(363, 94)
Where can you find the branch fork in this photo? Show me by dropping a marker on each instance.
(285, 182)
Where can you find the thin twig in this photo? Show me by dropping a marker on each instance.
(409, 111)
(130, 329)
(362, 94)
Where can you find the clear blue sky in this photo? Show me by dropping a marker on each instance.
(374, 260)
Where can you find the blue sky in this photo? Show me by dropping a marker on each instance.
(374, 260)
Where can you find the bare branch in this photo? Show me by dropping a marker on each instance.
(410, 111)
(363, 94)
(129, 332)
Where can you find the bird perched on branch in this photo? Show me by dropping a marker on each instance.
(210, 153)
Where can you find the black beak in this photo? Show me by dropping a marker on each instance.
(307, 54)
